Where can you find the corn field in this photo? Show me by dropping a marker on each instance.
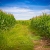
(42, 25)
(6, 20)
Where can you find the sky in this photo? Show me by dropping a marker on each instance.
(25, 9)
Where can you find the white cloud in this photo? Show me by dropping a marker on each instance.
(45, 11)
(22, 13)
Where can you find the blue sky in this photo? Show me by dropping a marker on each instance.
(25, 9)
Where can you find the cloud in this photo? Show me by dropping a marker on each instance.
(23, 13)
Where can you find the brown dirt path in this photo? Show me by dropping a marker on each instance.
(39, 45)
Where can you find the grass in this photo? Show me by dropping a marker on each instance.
(17, 38)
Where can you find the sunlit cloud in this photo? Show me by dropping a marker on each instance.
(23, 13)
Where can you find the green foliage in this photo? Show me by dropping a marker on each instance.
(42, 25)
(23, 22)
(6, 20)
(16, 39)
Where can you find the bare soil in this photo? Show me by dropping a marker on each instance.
(40, 45)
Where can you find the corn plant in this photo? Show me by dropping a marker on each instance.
(6, 20)
(42, 25)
